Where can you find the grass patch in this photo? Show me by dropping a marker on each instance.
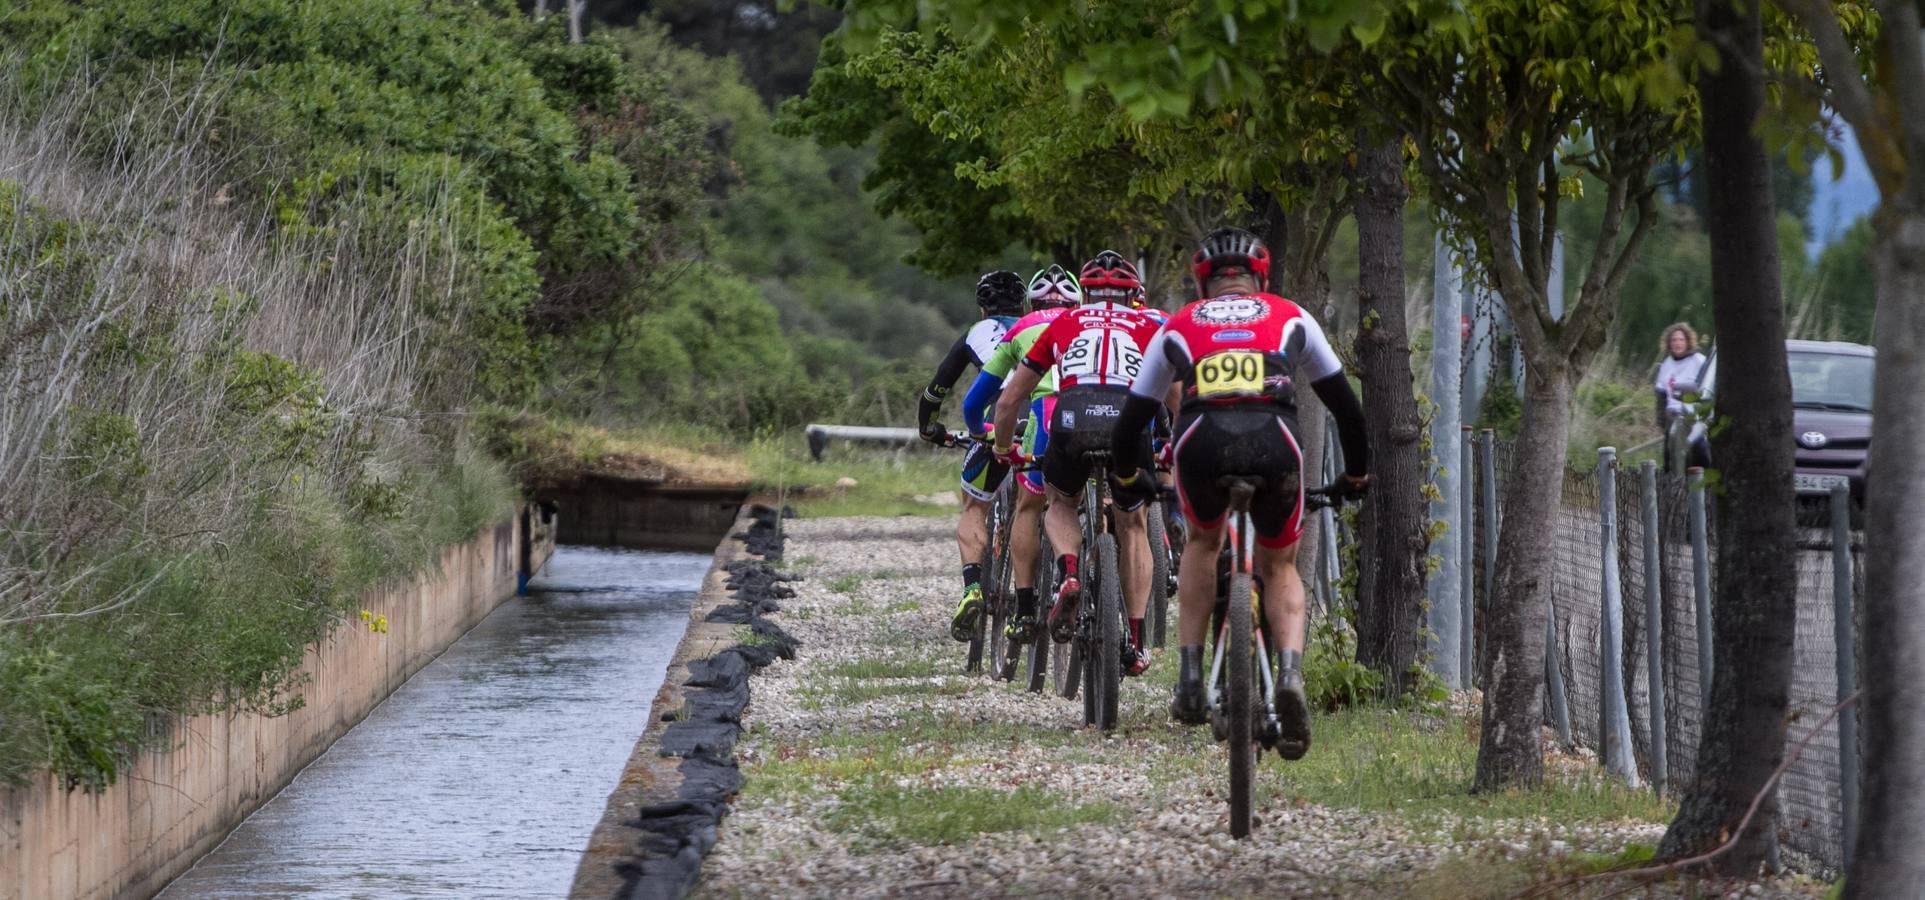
(1487, 875)
(885, 667)
(850, 691)
(885, 813)
(845, 584)
(1394, 761)
(802, 772)
(887, 482)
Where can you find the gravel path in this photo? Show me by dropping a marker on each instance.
(876, 767)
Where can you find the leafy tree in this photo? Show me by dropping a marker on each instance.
(1756, 618)
(1193, 135)
(1870, 75)
(1503, 108)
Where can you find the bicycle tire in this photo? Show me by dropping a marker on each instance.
(1238, 697)
(1068, 664)
(1159, 575)
(1000, 595)
(1110, 638)
(975, 660)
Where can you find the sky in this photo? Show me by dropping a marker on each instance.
(1839, 203)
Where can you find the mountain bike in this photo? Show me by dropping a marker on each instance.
(1249, 724)
(999, 591)
(1094, 654)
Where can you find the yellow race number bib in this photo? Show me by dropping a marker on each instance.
(1230, 373)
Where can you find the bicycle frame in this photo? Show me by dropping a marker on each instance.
(1242, 539)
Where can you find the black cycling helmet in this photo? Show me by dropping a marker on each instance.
(1054, 286)
(1001, 293)
(1228, 248)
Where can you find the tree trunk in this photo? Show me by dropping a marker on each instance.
(1305, 279)
(1756, 600)
(1509, 753)
(1887, 861)
(1396, 515)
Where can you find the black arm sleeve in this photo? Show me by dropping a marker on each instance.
(1126, 436)
(1335, 392)
(947, 372)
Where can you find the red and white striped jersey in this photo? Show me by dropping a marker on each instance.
(1097, 343)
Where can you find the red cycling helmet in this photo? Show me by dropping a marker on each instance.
(1228, 248)
(1109, 276)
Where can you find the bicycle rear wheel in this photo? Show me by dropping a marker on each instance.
(1238, 700)
(1040, 644)
(1107, 667)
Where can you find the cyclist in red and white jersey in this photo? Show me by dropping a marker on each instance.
(1233, 354)
(1096, 350)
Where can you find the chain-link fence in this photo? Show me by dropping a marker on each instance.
(1812, 821)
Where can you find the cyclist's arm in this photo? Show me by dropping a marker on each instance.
(981, 396)
(1014, 401)
(947, 372)
(1335, 392)
(1155, 385)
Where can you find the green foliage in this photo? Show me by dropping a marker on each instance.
(1332, 677)
(1842, 289)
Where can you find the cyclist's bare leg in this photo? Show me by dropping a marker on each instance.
(1025, 536)
(1196, 582)
(1282, 595)
(1133, 552)
(1061, 522)
(972, 530)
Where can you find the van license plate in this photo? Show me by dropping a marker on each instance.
(1817, 484)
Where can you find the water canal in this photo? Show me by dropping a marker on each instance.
(483, 775)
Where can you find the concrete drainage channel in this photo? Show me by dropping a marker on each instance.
(662, 818)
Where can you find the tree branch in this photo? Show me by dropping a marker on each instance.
(1849, 93)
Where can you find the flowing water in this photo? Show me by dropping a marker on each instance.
(484, 774)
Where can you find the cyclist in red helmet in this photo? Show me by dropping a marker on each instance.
(1240, 419)
(1095, 350)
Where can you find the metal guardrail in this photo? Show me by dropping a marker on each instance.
(821, 435)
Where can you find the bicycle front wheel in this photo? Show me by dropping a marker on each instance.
(1239, 697)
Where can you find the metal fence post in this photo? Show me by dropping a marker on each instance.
(1654, 624)
(1488, 517)
(1467, 644)
(1614, 732)
(1843, 634)
(1701, 585)
(1554, 678)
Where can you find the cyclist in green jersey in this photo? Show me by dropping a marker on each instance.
(1052, 291)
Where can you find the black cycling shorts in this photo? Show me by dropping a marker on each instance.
(982, 472)
(1084, 418)
(1258, 440)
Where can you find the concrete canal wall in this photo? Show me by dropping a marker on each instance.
(177, 802)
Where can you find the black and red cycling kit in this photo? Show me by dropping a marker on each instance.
(1235, 356)
(1097, 351)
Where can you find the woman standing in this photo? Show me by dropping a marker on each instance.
(1678, 375)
